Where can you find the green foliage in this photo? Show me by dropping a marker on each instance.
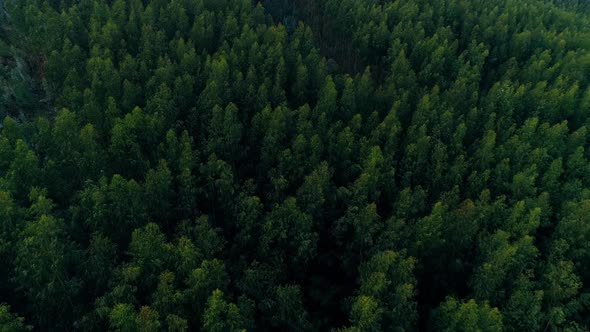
(295, 165)
(290, 314)
(122, 318)
(387, 290)
(10, 322)
(453, 315)
(221, 316)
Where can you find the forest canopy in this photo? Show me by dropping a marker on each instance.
(291, 165)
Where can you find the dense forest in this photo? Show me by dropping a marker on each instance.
(294, 165)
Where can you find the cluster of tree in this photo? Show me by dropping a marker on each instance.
(575, 5)
(211, 169)
(20, 93)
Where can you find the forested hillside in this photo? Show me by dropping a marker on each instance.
(295, 165)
